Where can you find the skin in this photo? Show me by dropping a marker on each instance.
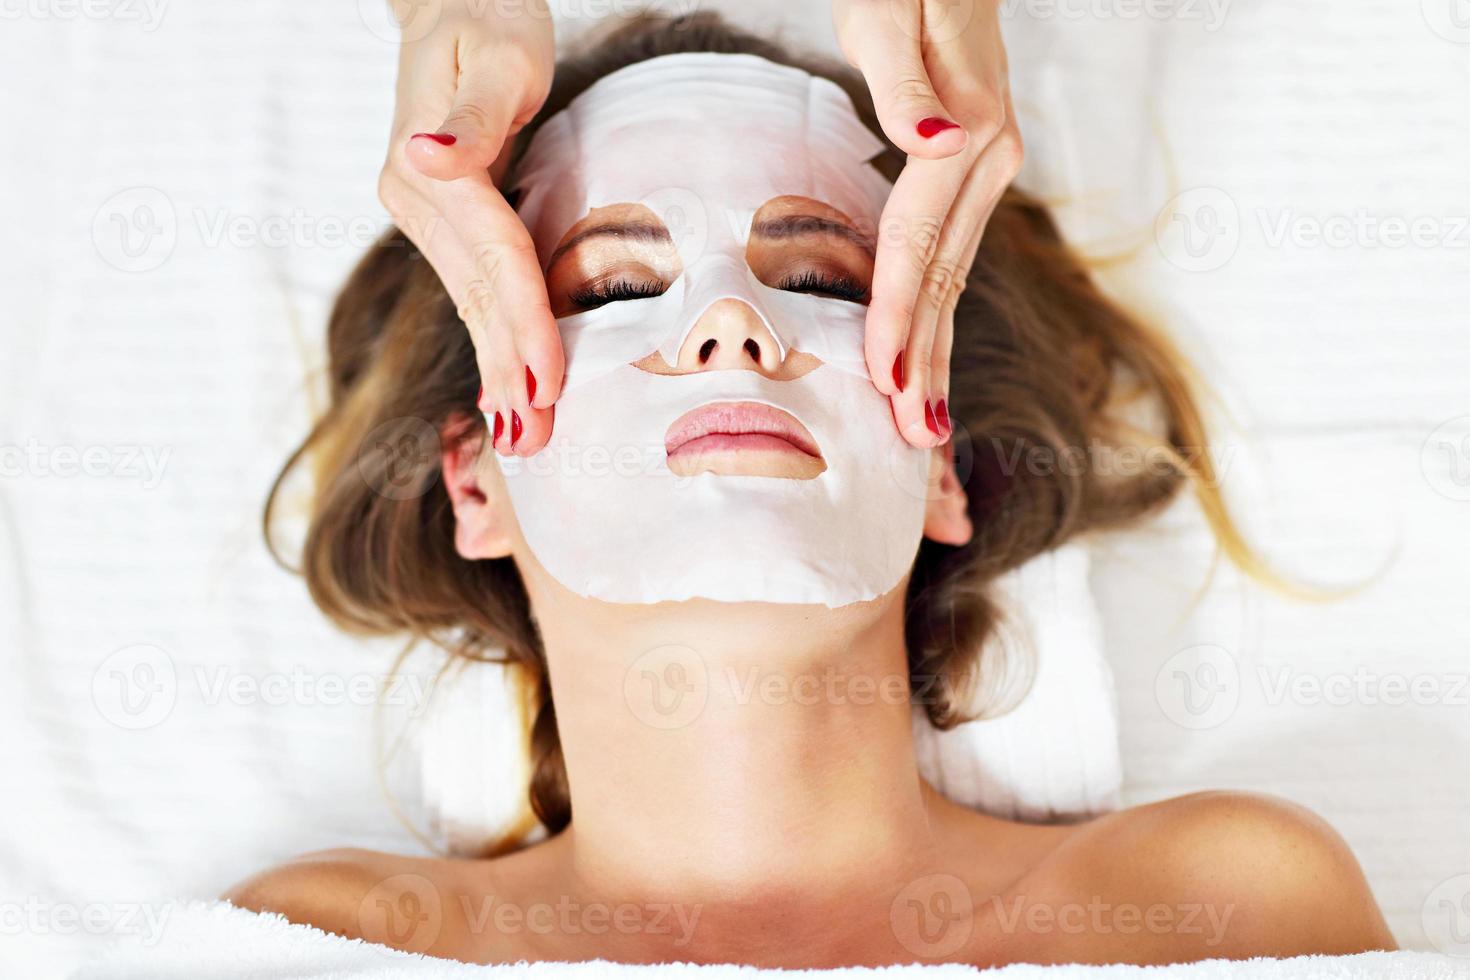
(928, 60)
(774, 813)
(472, 80)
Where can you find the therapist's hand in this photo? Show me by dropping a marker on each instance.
(938, 74)
(463, 91)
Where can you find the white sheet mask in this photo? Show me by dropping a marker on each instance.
(704, 141)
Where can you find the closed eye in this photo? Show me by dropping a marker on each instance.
(599, 293)
(618, 252)
(805, 246)
(821, 284)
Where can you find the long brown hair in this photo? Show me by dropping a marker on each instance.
(1045, 369)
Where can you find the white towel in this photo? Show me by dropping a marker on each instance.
(221, 942)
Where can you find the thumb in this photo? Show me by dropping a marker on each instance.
(882, 43)
(471, 136)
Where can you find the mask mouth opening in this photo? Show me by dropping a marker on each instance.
(742, 439)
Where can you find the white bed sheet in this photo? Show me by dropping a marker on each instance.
(254, 131)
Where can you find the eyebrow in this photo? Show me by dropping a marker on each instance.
(636, 231)
(796, 225)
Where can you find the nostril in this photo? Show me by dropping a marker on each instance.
(707, 350)
(754, 350)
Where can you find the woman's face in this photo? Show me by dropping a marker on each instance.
(623, 252)
(706, 227)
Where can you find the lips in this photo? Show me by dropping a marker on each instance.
(742, 438)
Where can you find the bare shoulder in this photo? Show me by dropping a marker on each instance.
(1227, 874)
(382, 898)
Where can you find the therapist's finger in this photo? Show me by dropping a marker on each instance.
(512, 288)
(882, 41)
(472, 135)
(909, 233)
(508, 383)
(949, 273)
(939, 366)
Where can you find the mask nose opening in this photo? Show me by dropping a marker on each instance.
(725, 324)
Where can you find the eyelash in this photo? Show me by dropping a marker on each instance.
(593, 295)
(598, 294)
(840, 287)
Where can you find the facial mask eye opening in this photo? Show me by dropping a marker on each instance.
(801, 245)
(615, 253)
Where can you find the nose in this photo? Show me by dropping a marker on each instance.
(729, 336)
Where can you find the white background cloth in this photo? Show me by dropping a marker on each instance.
(249, 136)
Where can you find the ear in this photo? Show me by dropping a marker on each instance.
(947, 516)
(482, 515)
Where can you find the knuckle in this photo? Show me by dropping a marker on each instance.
(493, 258)
(515, 61)
(986, 129)
(391, 190)
(470, 114)
(977, 102)
(943, 281)
(1010, 151)
(911, 90)
(924, 245)
(923, 360)
(474, 309)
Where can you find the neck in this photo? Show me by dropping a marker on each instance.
(753, 753)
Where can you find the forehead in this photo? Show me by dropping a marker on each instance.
(695, 137)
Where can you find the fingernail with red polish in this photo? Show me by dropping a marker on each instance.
(530, 386)
(443, 139)
(499, 428)
(934, 125)
(898, 371)
(515, 429)
(929, 419)
(941, 412)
